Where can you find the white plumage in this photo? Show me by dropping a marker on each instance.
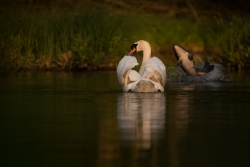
(152, 74)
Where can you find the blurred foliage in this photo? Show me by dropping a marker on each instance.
(36, 33)
(234, 40)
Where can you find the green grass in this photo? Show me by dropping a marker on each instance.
(99, 37)
(234, 41)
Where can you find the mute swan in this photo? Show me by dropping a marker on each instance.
(185, 60)
(207, 73)
(151, 76)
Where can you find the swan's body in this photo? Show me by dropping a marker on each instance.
(151, 76)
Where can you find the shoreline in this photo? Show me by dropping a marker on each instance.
(97, 35)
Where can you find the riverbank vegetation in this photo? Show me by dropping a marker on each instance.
(94, 35)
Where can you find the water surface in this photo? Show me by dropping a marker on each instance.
(84, 119)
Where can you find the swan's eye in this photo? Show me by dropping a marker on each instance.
(134, 46)
(190, 56)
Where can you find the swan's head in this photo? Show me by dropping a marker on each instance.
(181, 52)
(139, 46)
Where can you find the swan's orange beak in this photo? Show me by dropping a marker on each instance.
(132, 51)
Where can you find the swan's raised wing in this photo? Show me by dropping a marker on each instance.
(124, 73)
(155, 70)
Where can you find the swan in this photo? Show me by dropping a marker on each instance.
(152, 73)
(186, 61)
(209, 72)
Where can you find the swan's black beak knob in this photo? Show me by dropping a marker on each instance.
(132, 51)
(133, 48)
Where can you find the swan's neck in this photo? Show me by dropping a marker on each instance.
(146, 56)
(146, 53)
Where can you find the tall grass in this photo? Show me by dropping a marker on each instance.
(98, 36)
(31, 37)
(34, 40)
(234, 40)
(101, 37)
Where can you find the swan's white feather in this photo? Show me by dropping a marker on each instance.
(124, 70)
(154, 67)
(131, 86)
(133, 75)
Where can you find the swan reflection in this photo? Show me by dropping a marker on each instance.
(141, 117)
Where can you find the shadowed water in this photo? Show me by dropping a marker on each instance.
(84, 119)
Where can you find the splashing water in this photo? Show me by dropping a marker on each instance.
(176, 74)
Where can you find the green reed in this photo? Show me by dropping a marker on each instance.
(92, 36)
(234, 40)
(98, 36)
(33, 36)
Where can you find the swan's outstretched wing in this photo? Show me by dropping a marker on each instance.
(155, 70)
(124, 72)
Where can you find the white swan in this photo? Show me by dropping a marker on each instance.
(152, 74)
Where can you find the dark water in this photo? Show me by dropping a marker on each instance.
(84, 119)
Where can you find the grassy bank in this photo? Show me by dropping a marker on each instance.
(98, 38)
